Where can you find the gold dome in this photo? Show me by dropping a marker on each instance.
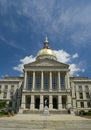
(46, 52)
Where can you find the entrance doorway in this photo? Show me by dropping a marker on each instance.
(46, 101)
(37, 102)
(55, 102)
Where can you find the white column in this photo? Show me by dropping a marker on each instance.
(59, 81)
(50, 103)
(33, 87)
(41, 102)
(42, 81)
(78, 105)
(32, 102)
(69, 101)
(68, 82)
(74, 103)
(77, 95)
(85, 104)
(84, 92)
(60, 102)
(25, 80)
(73, 90)
(50, 81)
(23, 102)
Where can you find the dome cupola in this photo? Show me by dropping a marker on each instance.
(46, 52)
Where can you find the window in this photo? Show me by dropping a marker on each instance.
(30, 80)
(87, 95)
(82, 104)
(62, 82)
(5, 95)
(54, 81)
(80, 88)
(46, 80)
(81, 95)
(86, 88)
(6, 86)
(88, 104)
(0, 87)
(38, 81)
(12, 87)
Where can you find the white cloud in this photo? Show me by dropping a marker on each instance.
(65, 57)
(55, 17)
(74, 69)
(75, 56)
(62, 56)
(26, 60)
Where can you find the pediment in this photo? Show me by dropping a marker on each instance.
(46, 62)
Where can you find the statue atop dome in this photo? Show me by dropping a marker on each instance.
(46, 43)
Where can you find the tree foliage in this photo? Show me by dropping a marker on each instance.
(2, 104)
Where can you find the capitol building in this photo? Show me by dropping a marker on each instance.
(48, 80)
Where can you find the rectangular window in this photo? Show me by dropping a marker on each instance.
(86, 88)
(46, 80)
(62, 82)
(6, 86)
(81, 95)
(80, 88)
(12, 87)
(0, 87)
(29, 81)
(54, 81)
(38, 81)
(88, 104)
(87, 95)
(82, 104)
(5, 95)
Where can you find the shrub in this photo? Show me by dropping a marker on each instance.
(82, 112)
(2, 104)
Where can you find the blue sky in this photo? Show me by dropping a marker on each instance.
(24, 25)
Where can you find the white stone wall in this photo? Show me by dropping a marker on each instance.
(76, 101)
(16, 92)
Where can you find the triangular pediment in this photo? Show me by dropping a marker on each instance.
(46, 62)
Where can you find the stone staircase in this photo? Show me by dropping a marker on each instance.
(41, 112)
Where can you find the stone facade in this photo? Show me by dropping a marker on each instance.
(46, 79)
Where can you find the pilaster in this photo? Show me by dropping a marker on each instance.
(74, 103)
(73, 90)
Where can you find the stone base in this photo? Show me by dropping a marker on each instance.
(46, 111)
(20, 111)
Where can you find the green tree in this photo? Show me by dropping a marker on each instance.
(2, 104)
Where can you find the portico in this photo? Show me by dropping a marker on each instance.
(46, 79)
